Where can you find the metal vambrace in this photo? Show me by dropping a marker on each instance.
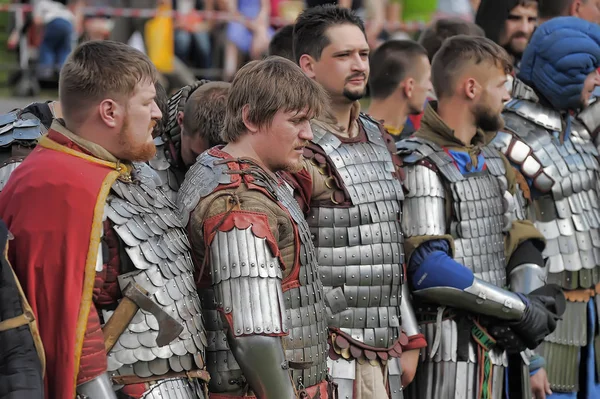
(480, 297)
(263, 364)
(527, 277)
(97, 388)
(409, 320)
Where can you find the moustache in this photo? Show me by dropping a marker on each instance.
(520, 35)
(358, 75)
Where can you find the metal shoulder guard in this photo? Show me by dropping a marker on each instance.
(424, 206)
(480, 297)
(527, 277)
(16, 131)
(246, 274)
(200, 180)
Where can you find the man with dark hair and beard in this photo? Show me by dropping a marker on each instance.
(463, 242)
(550, 128)
(94, 235)
(352, 191)
(510, 23)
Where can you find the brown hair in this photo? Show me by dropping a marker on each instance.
(204, 111)
(433, 37)
(459, 52)
(266, 87)
(97, 70)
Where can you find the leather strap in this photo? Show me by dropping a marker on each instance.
(134, 379)
(17, 321)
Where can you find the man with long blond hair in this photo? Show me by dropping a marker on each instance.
(262, 296)
(91, 227)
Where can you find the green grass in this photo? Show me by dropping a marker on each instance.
(6, 58)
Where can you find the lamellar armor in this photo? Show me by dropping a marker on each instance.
(19, 132)
(557, 156)
(474, 210)
(259, 291)
(360, 253)
(155, 254)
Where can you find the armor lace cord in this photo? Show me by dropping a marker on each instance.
(438, 331)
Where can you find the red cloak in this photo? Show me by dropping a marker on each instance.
(53, 204)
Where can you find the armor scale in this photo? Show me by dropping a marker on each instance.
(481, 211)
(158, 259)
(360, 254)
(563, 176)
(302, 306)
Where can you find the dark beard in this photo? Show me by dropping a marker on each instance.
(353, 96)
(487, 120)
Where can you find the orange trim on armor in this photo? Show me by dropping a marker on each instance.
(579, 295)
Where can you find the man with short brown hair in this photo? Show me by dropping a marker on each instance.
(462, 236)
(262, 296)
(98, 248)
(400, 82)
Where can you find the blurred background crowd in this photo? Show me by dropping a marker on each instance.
(211, 39)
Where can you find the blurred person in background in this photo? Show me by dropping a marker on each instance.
(58, 23)
(585, 9)
(282, 43)
(192, 33)
(509, 23)
(400, 82)
(250, 37)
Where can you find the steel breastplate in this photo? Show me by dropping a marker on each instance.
(360, 248)
(158, 259)
(564, 178)
(304, 303)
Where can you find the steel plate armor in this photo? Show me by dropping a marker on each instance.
(481, 210)
(361, 257)
(158, 259)
(246, 277)
(18, 135)
(562, 171)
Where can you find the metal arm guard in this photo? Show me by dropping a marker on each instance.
(527, 277)
(480, 297)
(98, 388)
(247, 281)
(263, 363)
(409, 320)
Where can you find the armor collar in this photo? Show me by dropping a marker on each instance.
(590, 117)
(92, 148)
(535, 112)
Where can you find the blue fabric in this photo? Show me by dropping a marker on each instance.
(56, 44)
(560, 55)
(592, 388)
(238, 33)
(463, 162)
(431, 266)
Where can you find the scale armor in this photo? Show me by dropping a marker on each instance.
(361, 256)
(563, 179)
(303, 306)
(19, 133)
(158, 259)
(482, 210)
